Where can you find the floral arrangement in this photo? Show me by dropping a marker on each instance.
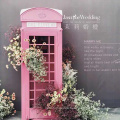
(88, 109)
(6, 104)
(43, 101)
(32, 57)
(69, 77)
(68, 103)
(13, 49)
(34, 61)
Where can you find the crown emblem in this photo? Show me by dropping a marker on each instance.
(42, 15)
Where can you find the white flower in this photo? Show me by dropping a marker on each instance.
(3, 101)
(44, 43)
(17, 37)
(14, 47)
(55, 92)
(12, 104)
(27, 50)
(5, 47)
(34, 40)
(72, 73)
(11, 40)
(17, 56)
(8, 59)
(14, 67)
(65, 90)
(3, 91)
(49, 113)
(7, 66)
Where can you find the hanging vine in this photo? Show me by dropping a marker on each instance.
(32, 57)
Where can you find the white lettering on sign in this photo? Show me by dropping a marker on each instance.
(41, 24)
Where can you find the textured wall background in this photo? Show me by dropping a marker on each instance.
(104, 84)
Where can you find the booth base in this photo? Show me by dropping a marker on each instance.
(113, 112)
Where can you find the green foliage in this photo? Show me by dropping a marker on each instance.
(87, 108)
(14, 49)
(68, 52)
(69, 78)
(6, 104)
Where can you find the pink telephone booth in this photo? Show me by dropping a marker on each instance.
(44, 25)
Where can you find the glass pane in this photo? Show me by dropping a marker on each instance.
(31, 85)
(47, 67)
(46, 77)
(46, 57)
(51, 39)
(41, 39)
(52, 83)
(38, 93)
(31, 38)
(31, 76)
(52, 49)
(51, 76)
(44, 48)
(51, 67)
(38, 47)
(31, 103)
(51, 58)
(31, 94)
(41, 85)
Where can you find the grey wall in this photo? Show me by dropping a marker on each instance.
(104, 84)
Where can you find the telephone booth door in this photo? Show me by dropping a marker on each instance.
(49, 40)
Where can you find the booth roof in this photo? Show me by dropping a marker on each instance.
(57, 10)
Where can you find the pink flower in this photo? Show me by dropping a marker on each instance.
(37, 54)
(18, 63)
(13, 94)
(38, 50)
(5, 97)
(8, 98)
(13, 98)
(51, 95)
(14, 111)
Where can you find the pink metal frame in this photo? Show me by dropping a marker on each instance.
(30, 88)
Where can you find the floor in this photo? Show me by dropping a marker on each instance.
(17, 116)
(114, 114)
